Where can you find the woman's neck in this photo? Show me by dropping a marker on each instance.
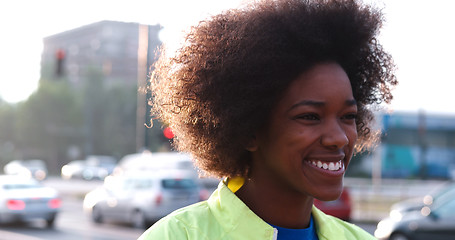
(276, 206)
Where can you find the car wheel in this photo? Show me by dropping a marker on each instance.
(398, 236)
(96, 215)
(138, 219)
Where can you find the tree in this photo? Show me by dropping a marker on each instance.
(48, 123)
(7, 139)
(95, 117)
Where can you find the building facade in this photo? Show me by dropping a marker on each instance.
(109, 47)
(418, 145)
(106, 65)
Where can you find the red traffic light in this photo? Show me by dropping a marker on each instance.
(167, 132)
(60, 54)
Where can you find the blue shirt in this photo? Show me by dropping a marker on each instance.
(308, 233)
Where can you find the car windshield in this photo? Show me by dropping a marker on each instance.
(446, 209)
(185, 165)
(137, 184)
(20, 186)
(445, 194)
(34, 163)
(178, 183)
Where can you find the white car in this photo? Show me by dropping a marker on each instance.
(94, 167)
(140, 198)
(24, 199)
(148, 161)
(35, 168)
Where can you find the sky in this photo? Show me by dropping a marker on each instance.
(419, 34)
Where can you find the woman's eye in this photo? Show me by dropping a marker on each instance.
(351, 116)
(308, 117)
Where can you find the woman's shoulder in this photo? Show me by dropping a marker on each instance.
(181, 224)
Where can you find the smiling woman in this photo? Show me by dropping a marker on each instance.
(274, 98)
(312, 130)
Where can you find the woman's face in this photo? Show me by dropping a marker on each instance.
(309, 139)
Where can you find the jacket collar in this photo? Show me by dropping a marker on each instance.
(236, 218)
(326, 227)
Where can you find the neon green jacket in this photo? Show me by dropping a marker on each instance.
(224, 216)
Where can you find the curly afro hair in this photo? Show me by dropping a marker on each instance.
(219, 88)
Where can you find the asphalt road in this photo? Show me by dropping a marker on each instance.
(73, 224)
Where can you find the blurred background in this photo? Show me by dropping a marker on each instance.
(73, 101)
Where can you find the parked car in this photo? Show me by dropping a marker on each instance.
(73, 169)
(340, 208)
(24, 199)
(104, 162)
(439, 194)
(93, 167)
(435, 222)
(148, 161)
(30, 168)
(140, 198)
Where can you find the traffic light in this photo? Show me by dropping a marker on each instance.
(60, 58)
(167, 132)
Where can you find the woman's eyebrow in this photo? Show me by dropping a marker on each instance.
(315, 103)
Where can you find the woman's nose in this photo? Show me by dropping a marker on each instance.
(334, 135)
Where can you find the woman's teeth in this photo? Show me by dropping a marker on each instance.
(331, 166)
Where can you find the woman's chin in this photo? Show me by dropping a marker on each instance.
(331, 195)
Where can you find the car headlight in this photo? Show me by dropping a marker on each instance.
(396, 215)
(67, 172)
(40, 175)
(384, 229)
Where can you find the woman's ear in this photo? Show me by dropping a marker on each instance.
(252, 145)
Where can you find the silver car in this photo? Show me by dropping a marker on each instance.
(441, 193)
(434, 222)
(140, 198)
(147, 161)
(24, 199)
(94, 167)
(30, 168)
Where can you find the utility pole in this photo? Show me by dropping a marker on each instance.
(142, 71)
(377, 156)
(422, 129)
